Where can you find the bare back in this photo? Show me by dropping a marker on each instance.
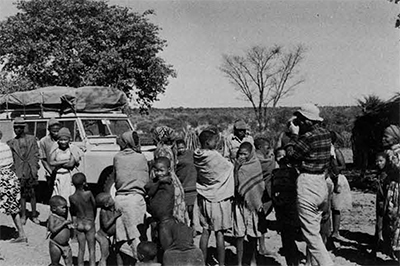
(83, 209)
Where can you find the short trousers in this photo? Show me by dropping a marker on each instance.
(215, 216)
(245, 222)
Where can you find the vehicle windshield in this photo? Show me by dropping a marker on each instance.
(96, 127)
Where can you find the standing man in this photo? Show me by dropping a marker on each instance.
(25, 152)
(233, 141)
(45, 145)
(310, 148)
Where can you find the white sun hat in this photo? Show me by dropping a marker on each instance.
(310, 111)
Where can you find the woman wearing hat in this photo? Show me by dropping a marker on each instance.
(25, 152)
(65, 158)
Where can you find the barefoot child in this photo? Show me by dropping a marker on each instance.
(83, 212)
(108, 216)
(59, 231)
(176, 238)
(250, 186)
(215, 187)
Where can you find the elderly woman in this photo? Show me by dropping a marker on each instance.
(391, 209)
(65, 158)
(10, 193)
(131, 176)
(391, 144)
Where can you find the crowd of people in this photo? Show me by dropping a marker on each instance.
(227, 189)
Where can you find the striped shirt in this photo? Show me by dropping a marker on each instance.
(312, 149)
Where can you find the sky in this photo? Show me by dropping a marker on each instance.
(352, 46)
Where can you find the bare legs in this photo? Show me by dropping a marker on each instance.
(104, 247)
(17, 221)
(33, 207)
(336, 223)
(82, 237)
(240, 250)
(219, 235)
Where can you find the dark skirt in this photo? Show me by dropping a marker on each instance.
(10, 192)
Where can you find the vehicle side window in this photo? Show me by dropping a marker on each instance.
(30, 128)
(95, 128)
(119, 126)
(73, 127)
(41, 129)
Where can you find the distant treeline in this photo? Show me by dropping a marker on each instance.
(337, 118)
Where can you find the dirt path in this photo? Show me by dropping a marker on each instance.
(357, 227)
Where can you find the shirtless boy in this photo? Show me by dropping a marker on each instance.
(58, 227)
(108, 216)
(83, 212)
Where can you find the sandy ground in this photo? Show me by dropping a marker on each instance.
(357, 227)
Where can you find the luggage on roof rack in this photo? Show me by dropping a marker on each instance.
(89, 99)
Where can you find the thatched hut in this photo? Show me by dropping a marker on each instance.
(368, 128)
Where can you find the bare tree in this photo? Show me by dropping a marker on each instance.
(264, 76)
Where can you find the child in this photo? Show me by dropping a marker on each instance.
(215, 188)
(268, 164)
(108, 216)
(249, 190)
(59, 231)
(187, 174)
(83, 212)
(64, 157)
(147, 254)
(280, 153)
(284, 201)
(175, 238)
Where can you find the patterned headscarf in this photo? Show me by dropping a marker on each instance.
(163, 134)
(393, 131)
(126, 140)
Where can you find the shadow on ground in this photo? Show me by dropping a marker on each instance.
(7, 233)
(357, 249)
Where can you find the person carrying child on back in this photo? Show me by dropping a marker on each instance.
(215, 188)
(175, 238)
(59, 229)
(83, 212)
(250, 186)
(108, 217)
